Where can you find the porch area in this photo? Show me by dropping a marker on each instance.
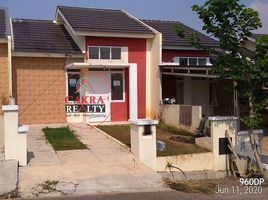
(101, 92)
(198, 86)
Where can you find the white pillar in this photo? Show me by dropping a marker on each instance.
(15, 137)
(143, 144)
(22, 145)
(133, 92)
(10, 130)
(218, 128)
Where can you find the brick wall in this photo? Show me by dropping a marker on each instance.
(39, 89)
(3, 72)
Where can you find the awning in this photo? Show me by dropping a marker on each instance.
(190, 71)
(78, 65)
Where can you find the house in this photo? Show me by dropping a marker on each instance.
(4, 57)
(95, 65)
(111, 54)
(185, 71)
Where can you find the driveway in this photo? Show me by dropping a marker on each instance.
(103, 168)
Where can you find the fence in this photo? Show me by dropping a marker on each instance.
(186, 117)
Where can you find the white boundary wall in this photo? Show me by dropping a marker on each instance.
(171, 116)
(187, 162)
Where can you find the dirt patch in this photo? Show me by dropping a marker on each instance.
(182, 138)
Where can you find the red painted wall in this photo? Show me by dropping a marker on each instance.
(136, 54)
(168, 55)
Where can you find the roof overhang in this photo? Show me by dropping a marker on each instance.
(52, 55)
(78, 65)
(113, 34)
(167, 47)
(60, 17)
(187, 48)
(176, 70)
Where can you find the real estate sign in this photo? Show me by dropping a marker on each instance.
(94, 107)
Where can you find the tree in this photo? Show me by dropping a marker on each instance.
(231, 23)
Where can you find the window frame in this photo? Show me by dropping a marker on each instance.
(177, 60)
(67, 84)
(123, 80)
(99, 52)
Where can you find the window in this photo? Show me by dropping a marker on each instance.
(117, 86)
(192, 61)
(72, 90)
(184, 61)
(107, 53)
(116, 53)
(202, 61)
(93, 52)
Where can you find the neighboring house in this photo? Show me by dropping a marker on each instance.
(4, 57)
(106, 65)
(41, 51)
(186, 73)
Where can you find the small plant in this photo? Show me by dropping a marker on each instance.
(4, 100)
(46, 187)
(170, 166)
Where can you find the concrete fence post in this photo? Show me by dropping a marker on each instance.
(15, 136)
(219, 142)
(143, 140)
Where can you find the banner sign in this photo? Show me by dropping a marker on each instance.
(95, 107)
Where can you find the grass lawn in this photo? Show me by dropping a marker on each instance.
(163, 133)
(63, 139)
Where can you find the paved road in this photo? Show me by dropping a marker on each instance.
(171, 195)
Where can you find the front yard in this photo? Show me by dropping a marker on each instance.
(164, 133)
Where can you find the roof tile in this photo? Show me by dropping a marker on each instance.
(171, 38)
(42, 36)
(102, 20)
(2, 23)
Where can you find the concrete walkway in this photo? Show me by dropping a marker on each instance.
(103, 168)
(8, 176)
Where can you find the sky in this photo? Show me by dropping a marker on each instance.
(144, 9)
